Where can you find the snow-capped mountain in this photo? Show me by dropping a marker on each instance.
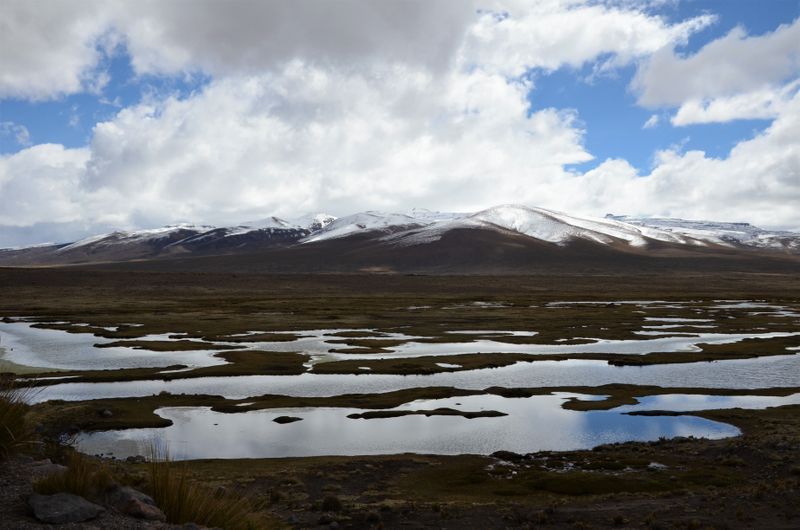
(365, 222)
(121, 237)
(424, 226)
(730, 234)
(510, 232)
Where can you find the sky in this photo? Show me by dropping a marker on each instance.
(128, 115)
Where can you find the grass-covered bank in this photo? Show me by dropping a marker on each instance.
(56, 417)
(745, 482)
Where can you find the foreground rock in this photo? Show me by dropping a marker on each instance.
(135, 503)
(63, 508)
(44, 468)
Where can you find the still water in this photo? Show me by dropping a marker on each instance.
(532, 424)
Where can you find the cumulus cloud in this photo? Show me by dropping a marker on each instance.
(758, 181)
(40, 182)
(49, 52)
(728, 66)
(352, 105)
(766, 103)
(513, 36)
(251, 36)
(298, 140)
(46, 51)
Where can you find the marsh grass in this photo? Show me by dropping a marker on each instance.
(15, 430)
(183, 500)
(84, 476)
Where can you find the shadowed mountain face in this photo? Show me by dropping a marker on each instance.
(505, 239)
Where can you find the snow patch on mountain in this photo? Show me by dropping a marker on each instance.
(121, 237)
(728, 234)
(538, 223)
(364, 222)
(421, 226)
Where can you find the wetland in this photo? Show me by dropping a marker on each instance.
(544, 386)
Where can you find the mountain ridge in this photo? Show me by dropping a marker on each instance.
(364, 236)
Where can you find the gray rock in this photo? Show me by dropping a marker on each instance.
(105, 413)
(63, 508)
(134, 503)
(45, 468)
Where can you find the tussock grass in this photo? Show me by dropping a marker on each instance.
(183, 500)
(84, 477)
(15, 431)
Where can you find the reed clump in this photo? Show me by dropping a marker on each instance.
(15, 430)
(84, 476)
(183, 500)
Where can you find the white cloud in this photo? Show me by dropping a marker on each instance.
(731, 65)
(651, 122)
(20, 133)
(759, 180)
(550, 34)
(766, 103)
(246, 37)
(388, 106)
(40, 183)
(49, 49)
(308, 138)
(47, 52)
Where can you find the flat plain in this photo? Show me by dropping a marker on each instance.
(431, 340)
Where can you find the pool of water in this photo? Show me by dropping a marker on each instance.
(691, 402)
(532, 424)
(764, 372)
(57, 349)
(53, 349)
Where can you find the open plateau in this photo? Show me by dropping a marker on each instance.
(511, 368)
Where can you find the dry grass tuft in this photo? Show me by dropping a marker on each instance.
(15, 432)
(185, 501)
(84, 477)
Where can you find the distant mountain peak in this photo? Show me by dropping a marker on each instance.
(506, 224)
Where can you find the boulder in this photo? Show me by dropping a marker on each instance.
(134, 503)
(63, 508)
(44, 468)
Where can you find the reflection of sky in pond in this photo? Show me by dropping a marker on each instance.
(689, 402)
(533, 424)
(674, 343)
(764, 372)
(56, 349)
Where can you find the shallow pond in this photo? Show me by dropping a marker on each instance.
(690, 402)
(25, 345)
(764, 372)
(532, 424)
(53, 349)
